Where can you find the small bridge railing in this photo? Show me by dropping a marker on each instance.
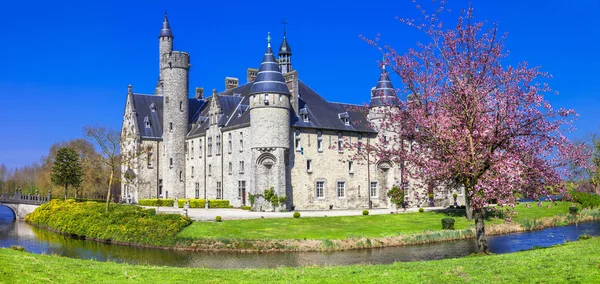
(19, 197)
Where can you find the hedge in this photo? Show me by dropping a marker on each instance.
(155, 202)
(218, 203)
(246, 207)
(194, 203)
(122, 223)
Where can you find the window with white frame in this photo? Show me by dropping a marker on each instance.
(241, 188)
(351, 167)
(197, 190)
(241, 141)
(320, 189)
(218, 140)
(320, 141)
(373, 189)
(297, 140)
(192, 149)
(229, 143)
(149, 157)
(341, 189)
(219, 190)
(241, 167)
(309, 166)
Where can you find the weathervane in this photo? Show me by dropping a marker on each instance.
(284, 22)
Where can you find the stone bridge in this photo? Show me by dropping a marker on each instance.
(22, 204)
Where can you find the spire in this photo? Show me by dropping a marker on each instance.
(269, 78)
(384, 92)
(166, 28)
(285, 47)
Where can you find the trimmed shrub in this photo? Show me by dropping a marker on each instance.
(194, 203)
(573, 210)
(122, 223)
(218, 203)
(463, 207)
(296, 214)
(448, 223)
(451, 206)
(421, 210)
(365, 212)
(246, 207)
(156, 202)
(454, 195)
(218, 219)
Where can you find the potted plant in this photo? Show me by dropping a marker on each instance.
(454, 195)
(431, 203)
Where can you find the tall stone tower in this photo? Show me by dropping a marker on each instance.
(174, 70)
(285, 55)
(269, 126)
(165, 45)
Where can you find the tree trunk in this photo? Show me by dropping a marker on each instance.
(468, 209)
(66, 187)
(110, 181)
(481, 238)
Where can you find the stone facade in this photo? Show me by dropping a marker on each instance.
(272, 132)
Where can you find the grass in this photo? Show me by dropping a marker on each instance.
(576, 262)
(336, 228)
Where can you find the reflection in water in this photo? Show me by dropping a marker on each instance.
(39, 241)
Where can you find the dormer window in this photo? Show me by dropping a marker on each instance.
(152, 107)
(345, 118)
(147, 122)
(304, 115)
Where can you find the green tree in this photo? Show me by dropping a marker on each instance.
(67, 170)
(594, 170)
(396, 196)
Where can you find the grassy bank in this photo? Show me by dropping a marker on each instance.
(335, 228)
(122, 224)
(575, 262)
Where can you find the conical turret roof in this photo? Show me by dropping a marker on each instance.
(269, 78)
(166, 28)
(384, 92)
(285, 47)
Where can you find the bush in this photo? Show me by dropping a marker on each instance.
(194, 203)
(218, 203)
(587, 200)
(92, 200)
(448, 223)
(421, 210)
(218, 219)
(122, 223)
(365, 212)
(246, 207)
(296, 214)
(451, 206)
(156, 202)
(463, 207)
(573, 210)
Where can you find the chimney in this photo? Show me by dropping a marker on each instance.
(199, 93)
(291, 80)
(231, 83)
(251, 75)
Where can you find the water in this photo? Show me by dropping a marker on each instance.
(40, 241)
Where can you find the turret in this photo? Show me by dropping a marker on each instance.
(384, 93)
(285, 55)
(175, 69)
(165, 42)
(270, 125)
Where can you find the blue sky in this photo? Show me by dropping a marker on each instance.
(67, 64)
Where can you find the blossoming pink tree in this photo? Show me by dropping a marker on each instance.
(473, 121)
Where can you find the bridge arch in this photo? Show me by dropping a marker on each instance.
(10, 209)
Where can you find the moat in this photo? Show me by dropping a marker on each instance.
(40, 241)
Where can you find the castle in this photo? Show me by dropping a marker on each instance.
(272, 132)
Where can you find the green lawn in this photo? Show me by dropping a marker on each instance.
(352, 226)
(577, 262)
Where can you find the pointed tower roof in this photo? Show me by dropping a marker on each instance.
(269, 78)
(285, 47)
(384, 92)
(166, 28)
